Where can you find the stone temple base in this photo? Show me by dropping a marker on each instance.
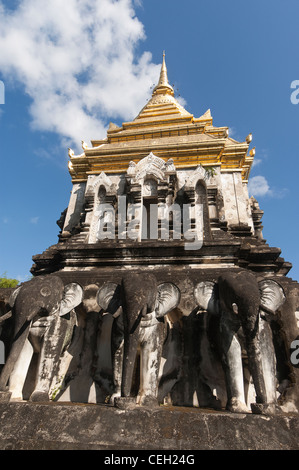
(55, 426)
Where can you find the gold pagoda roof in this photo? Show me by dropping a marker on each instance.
(165, 128)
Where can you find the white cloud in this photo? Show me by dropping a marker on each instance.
(34, 220)
(76, 60)
(258, 186)
(256, 162)
(23, 277)
(233, 133)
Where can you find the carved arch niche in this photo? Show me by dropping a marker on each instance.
(100, 193)
(197, 193)
(150, 181)
(149, 226)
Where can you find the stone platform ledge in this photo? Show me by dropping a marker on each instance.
(69, 426)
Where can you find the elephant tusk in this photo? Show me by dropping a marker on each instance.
(30, 317)
(235, 308)
(201, 310)
(118, 312)
(137, 321)
(6, 316)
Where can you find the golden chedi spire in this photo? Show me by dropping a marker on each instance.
(163, 86)
(163, 105)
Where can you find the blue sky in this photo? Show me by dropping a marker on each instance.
(69, 68)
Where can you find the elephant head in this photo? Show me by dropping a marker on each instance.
(44, 297)
(242, 301)
(143, 303)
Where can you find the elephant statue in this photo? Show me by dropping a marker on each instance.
(244, 305)
(43, 323)
(138, 305)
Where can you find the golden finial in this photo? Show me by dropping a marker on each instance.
(163, 86)
(249, 138)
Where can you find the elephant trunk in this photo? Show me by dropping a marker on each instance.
(256, 369)
(139, 293)
(130, 354)
(250, 324)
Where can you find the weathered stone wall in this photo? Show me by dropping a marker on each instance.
(27, 426)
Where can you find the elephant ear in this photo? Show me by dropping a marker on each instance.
(108, 298)
(168, 297)
(206, 295)
(72, 297)
(272, 295)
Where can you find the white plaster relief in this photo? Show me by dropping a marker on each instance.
(96, 218)
(75, 206)
(95, 181)
(240, 198)
(231, 215)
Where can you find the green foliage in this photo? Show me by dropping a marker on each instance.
(210, 171)
(6, 282)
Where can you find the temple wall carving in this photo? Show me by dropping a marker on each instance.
(153, 181)
(187, 323)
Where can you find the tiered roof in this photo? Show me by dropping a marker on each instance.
(167, 129)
